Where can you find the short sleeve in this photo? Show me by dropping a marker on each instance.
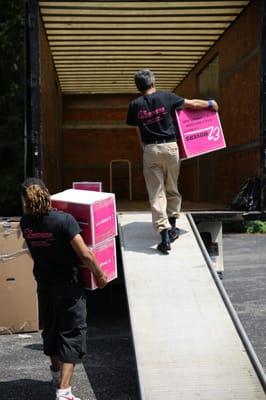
(71, 227)
(177, 101)
(131, 116)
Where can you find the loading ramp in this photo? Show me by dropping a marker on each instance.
(185, 342)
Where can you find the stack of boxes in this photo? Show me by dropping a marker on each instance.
(96, 214)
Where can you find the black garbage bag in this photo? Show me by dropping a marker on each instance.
(248, 198)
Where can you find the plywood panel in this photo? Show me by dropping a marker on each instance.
(94, 134)
(107, 101)
(100, 115)
(99, 145)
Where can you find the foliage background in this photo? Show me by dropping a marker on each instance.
(12, 69)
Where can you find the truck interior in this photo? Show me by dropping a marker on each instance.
(88, 54)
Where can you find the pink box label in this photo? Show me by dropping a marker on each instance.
(105, 254)
(94, 186)
(200, 132)
(103, 216)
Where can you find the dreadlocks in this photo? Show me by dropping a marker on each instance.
(36, 196)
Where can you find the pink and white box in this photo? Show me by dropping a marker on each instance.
(94, 211)
(84, 185)
(105, 254)
(200, 132)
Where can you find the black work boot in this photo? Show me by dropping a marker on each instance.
(174, 232)
(165, 245)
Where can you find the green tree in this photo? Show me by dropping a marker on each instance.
(11, 105)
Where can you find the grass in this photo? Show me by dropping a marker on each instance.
(255, 226)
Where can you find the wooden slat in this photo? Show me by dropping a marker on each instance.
(96, 84)
(132, 64)
(175, 31)
(114, 70)
(142, 4)
(132, 56)
(102, 91)
(128, 46)
(111, 90)
(119, 77)
(139, 13)
(130, 75)
(124, 78)
(127, 83)
(130, 50)
(145, 25)
(136, 39)
(125, 20)
(187, 61)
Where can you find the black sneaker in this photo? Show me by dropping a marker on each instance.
(174, 234)
(164, 247)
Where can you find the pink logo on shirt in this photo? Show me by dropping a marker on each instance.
(150, 117)
(29, 234)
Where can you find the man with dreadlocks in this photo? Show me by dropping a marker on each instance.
(54, 240)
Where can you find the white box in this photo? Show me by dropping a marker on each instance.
(94, 211)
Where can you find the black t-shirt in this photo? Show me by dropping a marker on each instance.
(48, 238)
(153, 114)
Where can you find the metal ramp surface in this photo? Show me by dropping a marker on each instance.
(186, 345)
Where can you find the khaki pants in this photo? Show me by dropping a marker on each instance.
(161, 166)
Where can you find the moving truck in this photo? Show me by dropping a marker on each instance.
(81, 59)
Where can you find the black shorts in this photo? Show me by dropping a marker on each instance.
(63, 314)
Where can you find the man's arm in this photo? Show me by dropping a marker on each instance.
(197, 104)
(88, 259)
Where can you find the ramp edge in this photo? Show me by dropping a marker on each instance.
(139, 373)
(234, 317)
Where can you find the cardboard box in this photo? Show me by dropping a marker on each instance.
(105, 254)
(18, 298)
(93, 186)
(199, 132)
(94, 211)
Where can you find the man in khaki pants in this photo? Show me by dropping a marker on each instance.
(152, 113)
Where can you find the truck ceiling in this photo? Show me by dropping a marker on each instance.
(98, 46)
